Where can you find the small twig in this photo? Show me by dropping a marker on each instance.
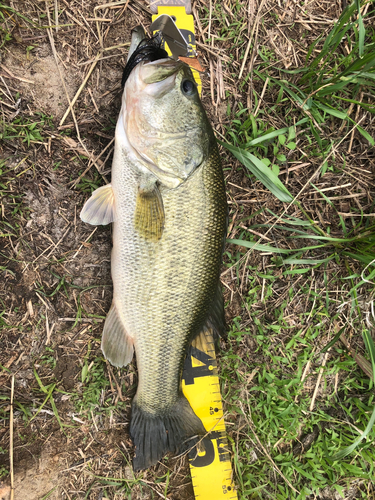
(80, 248)
(44, 302)
(331, 188)
(77, 21)
(11, 75)
(344, 214)
(297, 167)
(262, 95)
(355, 119)
(346, 197)
(318, 381)
(209, 20)
(85, 63)
(250, 39)
(11, 441)
(56, 16)
(212, 82)
(220, 81)
(119, 392)
(309, 21)
(86, 320)
(254, 232)
(304, 374)
(93, 101)
(80, 122)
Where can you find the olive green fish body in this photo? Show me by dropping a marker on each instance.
(164, 289)
(167, 201)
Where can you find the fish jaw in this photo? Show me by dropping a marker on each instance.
(162, 70)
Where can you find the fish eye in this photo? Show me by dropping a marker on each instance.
(188, 87)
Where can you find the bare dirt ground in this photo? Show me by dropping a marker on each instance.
(55, 284)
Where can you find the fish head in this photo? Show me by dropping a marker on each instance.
(164, 120)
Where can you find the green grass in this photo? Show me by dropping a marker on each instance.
(26, 129)
(311, 99)
(94, 384)
(275, 405)
(3, 472)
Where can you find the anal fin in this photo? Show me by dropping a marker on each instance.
(149, 213)
(117, 345)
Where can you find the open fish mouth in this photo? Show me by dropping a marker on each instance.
(162, 70)
(148, 50)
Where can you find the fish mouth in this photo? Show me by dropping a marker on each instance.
(159, 77)
(149, 49)
(159, 70)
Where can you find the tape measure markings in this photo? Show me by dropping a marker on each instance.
(211, 470)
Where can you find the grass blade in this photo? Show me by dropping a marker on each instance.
(346, 451)
(257, 246)
(261, 172)
(369, 343)
(333, 341)
(361, 29)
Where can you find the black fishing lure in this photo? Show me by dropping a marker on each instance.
(149, 49)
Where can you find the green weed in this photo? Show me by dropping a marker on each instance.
(92, 397)
(22, 129)
(3, 472)
(336, 435)
(48, 359)
(87, 185)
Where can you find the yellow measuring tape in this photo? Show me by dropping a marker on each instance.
(211, 469)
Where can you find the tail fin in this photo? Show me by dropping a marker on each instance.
(155, 435)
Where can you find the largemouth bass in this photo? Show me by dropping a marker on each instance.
(168, 205)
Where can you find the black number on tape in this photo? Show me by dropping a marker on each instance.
(210, 449)
(209, 454)
(191, 372)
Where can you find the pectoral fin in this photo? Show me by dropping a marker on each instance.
(99, 209)
(117, 345)
(149, 213)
